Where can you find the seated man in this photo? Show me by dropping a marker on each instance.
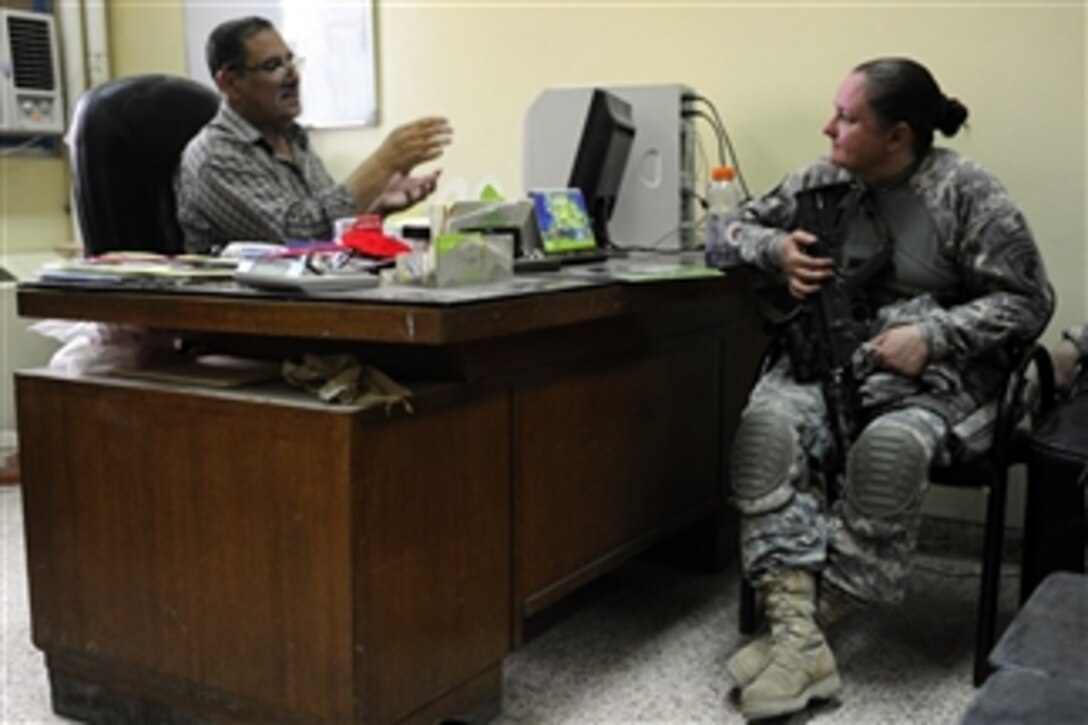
(959, 282)
(251, 173)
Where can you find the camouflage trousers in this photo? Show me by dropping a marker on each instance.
(794, 527)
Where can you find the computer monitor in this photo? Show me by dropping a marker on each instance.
(655, 207)
(601, 158)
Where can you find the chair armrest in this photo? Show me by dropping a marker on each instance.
(1012, 406)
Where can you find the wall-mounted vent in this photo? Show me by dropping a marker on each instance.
(30, 95)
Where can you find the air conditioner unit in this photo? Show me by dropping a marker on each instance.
(30, 84)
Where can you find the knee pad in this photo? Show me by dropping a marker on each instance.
(886, 469)
(760, 461)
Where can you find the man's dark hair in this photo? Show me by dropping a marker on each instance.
(901, 89)
(226, 46)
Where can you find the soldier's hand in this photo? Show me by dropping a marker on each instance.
(1066, 359)
(804, 273)
(902, 350)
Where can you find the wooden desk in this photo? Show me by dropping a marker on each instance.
(256, 555)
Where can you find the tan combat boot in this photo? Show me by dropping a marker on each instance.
(801, 666)
(746, 663)
(751, 659)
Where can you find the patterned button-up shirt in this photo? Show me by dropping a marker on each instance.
(231, 187)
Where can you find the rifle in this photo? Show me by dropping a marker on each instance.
(832, 323)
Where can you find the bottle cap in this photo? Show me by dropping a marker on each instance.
(722, 173)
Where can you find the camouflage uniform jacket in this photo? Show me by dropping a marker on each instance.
(1078, 374)
(965, 269)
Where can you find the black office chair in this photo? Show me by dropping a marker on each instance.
(126, 140)
(991, 472)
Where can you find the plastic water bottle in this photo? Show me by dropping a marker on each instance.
(722, 199)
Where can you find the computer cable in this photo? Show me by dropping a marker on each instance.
(700, 174)
(719, 127)
(724, 134)
(698, 113)
(723, 141)
(655, 246)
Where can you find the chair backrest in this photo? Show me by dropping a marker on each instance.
(126, 140)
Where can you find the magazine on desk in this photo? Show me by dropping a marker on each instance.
(119, 267)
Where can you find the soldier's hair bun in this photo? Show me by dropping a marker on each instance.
(951, 116)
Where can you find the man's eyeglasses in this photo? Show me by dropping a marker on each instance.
(276, 66)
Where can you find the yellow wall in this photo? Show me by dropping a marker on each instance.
(33, 194)
(770, 67)
(33, 204)
(146, 36)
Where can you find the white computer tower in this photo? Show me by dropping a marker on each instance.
(655, 207)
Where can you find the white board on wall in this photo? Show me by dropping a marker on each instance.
(336, 39)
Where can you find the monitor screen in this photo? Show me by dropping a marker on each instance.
(602, 157)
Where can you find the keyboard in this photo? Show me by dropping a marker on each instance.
(531, 265)
(588, 256)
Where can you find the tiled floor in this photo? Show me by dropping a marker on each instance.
(648, 644)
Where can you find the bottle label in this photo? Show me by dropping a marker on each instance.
(721, 250)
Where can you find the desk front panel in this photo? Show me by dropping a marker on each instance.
(611, 459)
(186, 539)
(432, 551)
(237, 556)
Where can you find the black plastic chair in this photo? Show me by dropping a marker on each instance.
(126, 140)
(991, 472)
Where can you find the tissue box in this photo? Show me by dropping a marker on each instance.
(472, 258)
